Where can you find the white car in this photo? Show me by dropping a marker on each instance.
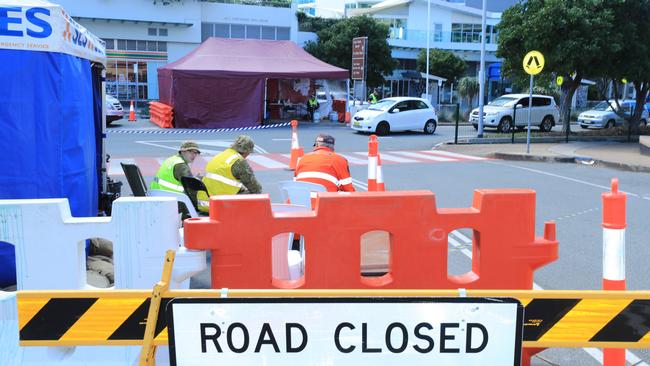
(604, 116)
(396, 114)
(499, 112)
(114, 110)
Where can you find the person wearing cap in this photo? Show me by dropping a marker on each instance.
(176, 166)
(325, 167)
(229, 173)
(168, 177)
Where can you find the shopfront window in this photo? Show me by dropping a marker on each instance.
(122, 81)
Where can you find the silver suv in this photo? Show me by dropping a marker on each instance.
(498, 113)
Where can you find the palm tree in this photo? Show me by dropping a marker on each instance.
(468, 87)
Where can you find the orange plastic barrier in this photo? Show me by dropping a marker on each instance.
(161, 114)
(338, 106)
(240, 230)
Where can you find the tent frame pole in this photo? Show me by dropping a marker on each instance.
(266, 80)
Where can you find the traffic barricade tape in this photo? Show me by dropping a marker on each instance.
(551, 318)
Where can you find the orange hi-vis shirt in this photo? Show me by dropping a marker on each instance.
(325, 167)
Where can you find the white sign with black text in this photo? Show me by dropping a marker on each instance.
(345, 331)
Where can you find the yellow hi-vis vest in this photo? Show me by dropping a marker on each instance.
(165, 177)
(218, 178)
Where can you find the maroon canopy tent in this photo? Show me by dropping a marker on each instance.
(221, 83)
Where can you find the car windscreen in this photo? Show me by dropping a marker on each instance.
(502, 101)
(603, 106)
(382, 105)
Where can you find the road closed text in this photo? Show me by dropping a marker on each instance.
(346, 337)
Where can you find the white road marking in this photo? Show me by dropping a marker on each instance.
(280, 139)
(392, 157)
(359, 184)
(596, 353)
(561, 177)
(114, 167)
(453, 155)
(266, 162)
(422, 156)
(354, 160)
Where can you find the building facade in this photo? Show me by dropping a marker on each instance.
(143, 35)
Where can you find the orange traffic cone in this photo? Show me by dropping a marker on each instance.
(296, 151)
(373, 146)
(131, 113)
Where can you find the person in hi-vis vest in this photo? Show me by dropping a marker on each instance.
(168, 177)
(325, 167)
(229, 173)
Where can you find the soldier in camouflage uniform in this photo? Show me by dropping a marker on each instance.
(229, 173)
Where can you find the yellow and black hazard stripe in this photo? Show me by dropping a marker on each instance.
(88, 321)
(586, 322)
(598, 319)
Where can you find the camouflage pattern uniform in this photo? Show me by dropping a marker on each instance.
(241, 169)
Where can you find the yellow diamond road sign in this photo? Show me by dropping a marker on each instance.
(533, 62)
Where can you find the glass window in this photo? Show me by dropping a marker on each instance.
(110, 44)
(207, 31)
(268, 33)
(162, 32)
(523, 102)
(142, 45)
(121, 44)
(152, 46)
(437, 32)
(283, 34)
(162, 46)
(253, 31)
(237, 31)
(131, 45)
(541, 102)
(222, 30)
(152, 31)
(402, 106)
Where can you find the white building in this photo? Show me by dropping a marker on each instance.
(142, 35)
(454, 26)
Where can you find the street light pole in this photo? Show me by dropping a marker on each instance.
(428, 36)
(481, 74)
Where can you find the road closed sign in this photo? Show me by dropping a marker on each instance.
(345, 331)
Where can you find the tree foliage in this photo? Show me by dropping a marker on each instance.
(468, 88)
(576, 38)
(334, 46)
(308, 23)
(442, 63)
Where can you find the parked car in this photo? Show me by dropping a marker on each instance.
(396, 114)
(498, 113)
(604, 115)
(114, 110)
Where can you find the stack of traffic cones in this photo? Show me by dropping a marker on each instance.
(296, 151)
(131, 113)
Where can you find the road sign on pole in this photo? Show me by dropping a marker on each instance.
(344, 331)
(359, 57)
(533, 64)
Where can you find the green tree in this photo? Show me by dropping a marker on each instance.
(334, 46)
(576, 37)
(308, 23)
(631, 61)
(468, 88)
(442, 63)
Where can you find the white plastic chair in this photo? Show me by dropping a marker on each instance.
(180, 197)
(287, 263)
(299, 193)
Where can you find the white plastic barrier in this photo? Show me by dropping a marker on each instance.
(50, 254)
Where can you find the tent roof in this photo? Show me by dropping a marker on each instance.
(254, 58)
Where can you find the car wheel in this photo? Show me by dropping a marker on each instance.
(610, 124)
(585, 127)
(505, 124)
(643, 123)
(383, 128)
(475, 127)
(430, 127)
(547, 124)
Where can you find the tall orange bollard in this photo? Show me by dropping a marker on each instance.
(296, 151)
(380, 175)
(131, 113)
(614, 223)
(373, 147)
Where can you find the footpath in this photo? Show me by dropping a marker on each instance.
(617, 155)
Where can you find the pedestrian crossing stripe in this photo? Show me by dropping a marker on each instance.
(551, 318)
(276, 161)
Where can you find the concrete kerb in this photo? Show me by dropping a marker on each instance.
(571, 159)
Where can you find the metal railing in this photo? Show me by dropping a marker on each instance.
(439, 37)
(267, 3)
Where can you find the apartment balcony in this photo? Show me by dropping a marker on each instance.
(415, 38)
